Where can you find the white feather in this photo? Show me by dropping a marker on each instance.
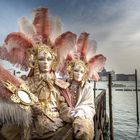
(92, 47)
(68, 46)
(26, 27)
(55, 28)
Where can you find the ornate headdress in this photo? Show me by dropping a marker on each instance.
(44, 30)
(85, 55)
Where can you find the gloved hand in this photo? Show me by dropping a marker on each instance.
(83, 129)
(65, 113)
(36, 110)
(58, 122)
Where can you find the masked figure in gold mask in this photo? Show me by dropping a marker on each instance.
(79, 94)
(80, 98)
(35, 47)
(46, 87)
(43, 84)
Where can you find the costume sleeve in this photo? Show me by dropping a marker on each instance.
(85, 107)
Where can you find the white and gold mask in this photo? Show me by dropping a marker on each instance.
(77, 70)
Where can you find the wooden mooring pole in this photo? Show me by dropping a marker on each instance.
(94, 89)
(137, 103)
(14, 72)
(110, 108)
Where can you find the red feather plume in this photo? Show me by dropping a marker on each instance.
(82, 45)
(64, 44)
(96, 65)
(41, 23)
(14, 49)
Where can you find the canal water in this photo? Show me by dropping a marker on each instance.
(124, 110)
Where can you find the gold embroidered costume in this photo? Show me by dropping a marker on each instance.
(44, 85)
(79, 95)
(34, 48)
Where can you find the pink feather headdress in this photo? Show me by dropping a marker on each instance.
(47, 29)
(85, 50)
(43, 29)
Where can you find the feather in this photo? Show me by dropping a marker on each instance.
(17, 40)
(64, 44)
(82, 45)
(3, 53)
(55, 28)
(91, 51)
(71, 56)
(14, 49)
(26, 27)
(41, 23)
(96, 64)
(11, 113)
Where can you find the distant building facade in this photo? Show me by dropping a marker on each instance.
(104, 75)
(125, 77)
(116, 77)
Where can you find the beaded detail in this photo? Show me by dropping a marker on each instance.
(74, 88)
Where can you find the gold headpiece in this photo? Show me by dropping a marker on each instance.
(72, 64)
(33, 52)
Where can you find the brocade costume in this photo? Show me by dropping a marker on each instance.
(48, 92)
(82, 64)
(84, 110)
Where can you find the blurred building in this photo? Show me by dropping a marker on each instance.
(116, 77)
(104, 75)
(125, 77)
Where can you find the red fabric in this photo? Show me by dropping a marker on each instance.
(66, 94)
(5, 75)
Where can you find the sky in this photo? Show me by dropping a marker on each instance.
(114, 24)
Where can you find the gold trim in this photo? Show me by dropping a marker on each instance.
(10, 86)
(15, 97)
